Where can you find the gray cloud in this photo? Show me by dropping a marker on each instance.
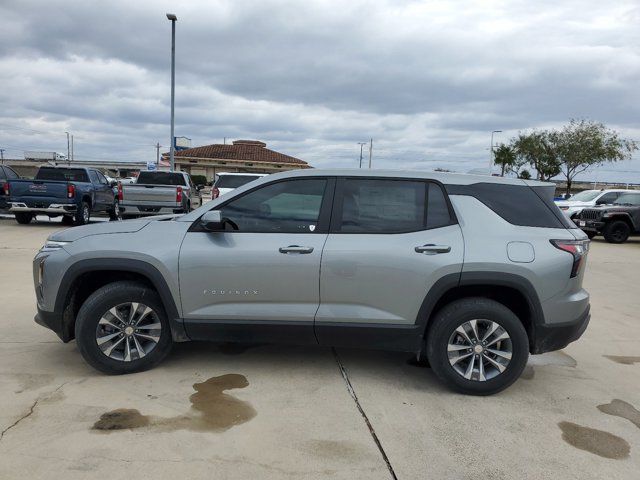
(427, 80)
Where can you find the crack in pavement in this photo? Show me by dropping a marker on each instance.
(352, 392)
(31, 410)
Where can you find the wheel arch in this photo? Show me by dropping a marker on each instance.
(86, 276)
(514, 291)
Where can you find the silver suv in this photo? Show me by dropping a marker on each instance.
(473, 272)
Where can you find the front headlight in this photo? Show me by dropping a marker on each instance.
(53, 245)
(41, 270)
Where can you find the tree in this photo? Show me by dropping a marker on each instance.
(538, 149)
(506, 157)
(524, 175)
(584, 144)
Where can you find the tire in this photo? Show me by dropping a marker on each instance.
(66, 220)
(24, 218)
(83, 216)
(114, 213)
(591, 235)
(617, 231)
(485, 312)
(91, 326)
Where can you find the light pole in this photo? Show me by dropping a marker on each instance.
(491, 151)
(362, 144)
(173, 19)
(68, 151)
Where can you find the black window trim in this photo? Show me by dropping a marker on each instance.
(324, 218)
(339, 197)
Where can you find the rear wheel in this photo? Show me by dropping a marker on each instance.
(122, 328)
(114, 213)
(83, 215)
(24, 217)
(477, 346)
(617, 231)
(67, 220)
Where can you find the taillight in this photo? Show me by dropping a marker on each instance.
(215, 193)
(71, 190)
(179, 194)
(120, 196)
(577, 248)
(6, 189)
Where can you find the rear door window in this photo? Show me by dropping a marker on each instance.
(390, 206)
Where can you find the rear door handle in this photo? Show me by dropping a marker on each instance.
(295, 249)
(431, 249)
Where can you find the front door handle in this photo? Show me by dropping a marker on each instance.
(295, 249)
(431, 249)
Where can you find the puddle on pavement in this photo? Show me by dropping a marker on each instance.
(211, 410)
(620, 408)
(598, 442)
(558, 358)
(121, 419)
(528, 373)
(624, 360)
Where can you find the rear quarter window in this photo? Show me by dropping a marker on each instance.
(518, 205)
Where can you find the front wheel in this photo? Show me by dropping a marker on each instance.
(617, 231)
(123, 328)
(477, 346)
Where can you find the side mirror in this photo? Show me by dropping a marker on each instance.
(212, 221)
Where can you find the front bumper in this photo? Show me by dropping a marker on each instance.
(550, 337)
(590, 225)
(56, 322)
(54, 208)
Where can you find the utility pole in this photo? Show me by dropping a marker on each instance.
(224, 141)
(362, 144)
(158, 153)
(370, 151)
(491, 157)
(173, 19)
(72, 158)
(2, 156)
(68, 150)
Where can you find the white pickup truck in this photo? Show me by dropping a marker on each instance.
(158, 193)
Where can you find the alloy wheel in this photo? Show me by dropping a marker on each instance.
(128, 331)
(479, 350)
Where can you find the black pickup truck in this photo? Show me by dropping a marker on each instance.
(73, 192)
(616, 221)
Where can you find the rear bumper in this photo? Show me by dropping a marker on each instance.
(54, 321)
(140, 210)
(549, 337)
(54, 208)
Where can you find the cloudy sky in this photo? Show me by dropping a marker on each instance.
(428, 81)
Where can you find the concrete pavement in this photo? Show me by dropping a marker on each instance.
(213, 411)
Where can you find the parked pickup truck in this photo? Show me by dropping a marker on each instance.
(73, 192)
(158, 193)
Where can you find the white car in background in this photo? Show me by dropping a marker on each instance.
(588, 198)
(226, 182)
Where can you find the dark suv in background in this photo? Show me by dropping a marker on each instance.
(616, 221)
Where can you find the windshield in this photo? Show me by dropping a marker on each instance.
(628, 199)
(234, 181)
(585, 196)
(161, 178)
(62, 174)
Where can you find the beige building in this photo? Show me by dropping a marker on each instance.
(240, 156)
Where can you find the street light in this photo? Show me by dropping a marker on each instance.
(491, 151)
(173, 18)
(362, 144)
